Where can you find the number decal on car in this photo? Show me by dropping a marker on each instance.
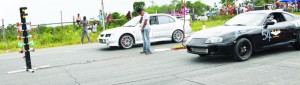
(266, 34)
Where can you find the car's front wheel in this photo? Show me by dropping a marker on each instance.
(242, 49)
(177, 36)
(126, 41)
(296, 44)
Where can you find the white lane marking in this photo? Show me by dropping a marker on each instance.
(161, 50)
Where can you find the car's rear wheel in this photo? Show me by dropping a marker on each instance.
(177, 36)
(242, 49)
(296, 45)
(126, 41)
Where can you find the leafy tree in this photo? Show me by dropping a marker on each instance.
(174, 2)
(115, 15)
(137, 5)
(199, 7)
(189, 4)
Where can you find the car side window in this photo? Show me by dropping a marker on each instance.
(153, 20)
(163, 19)
(288, 17)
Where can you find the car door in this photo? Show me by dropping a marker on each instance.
(166, 25)
(279, 32)
(288, 32)
(154, 26)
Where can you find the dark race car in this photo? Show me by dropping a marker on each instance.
(247, 33)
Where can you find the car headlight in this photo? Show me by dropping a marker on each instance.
(214, 40)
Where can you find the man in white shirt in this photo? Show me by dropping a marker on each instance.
(144, 21)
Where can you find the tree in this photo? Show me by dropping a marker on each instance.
(137, 5)
(200, 8)
(227, 1)
(263, 2)
(115, 15)
(189, 4)
(174, 2)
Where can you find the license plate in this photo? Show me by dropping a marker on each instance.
(102, 41)
(200, 50)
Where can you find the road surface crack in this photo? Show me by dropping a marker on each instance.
(189, 80)
(71, 76)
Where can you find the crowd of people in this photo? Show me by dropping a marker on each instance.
(287, 6)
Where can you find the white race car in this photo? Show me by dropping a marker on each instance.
(163, 27)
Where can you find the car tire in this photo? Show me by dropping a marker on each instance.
(242, 49)
(177, 36)
(126, 41)
(296, 44)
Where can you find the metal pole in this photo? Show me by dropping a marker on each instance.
(62, 26)
(103, 23)
(74, 24)
(183, 22)
(52, 30)
(3, 30)
(39, 32)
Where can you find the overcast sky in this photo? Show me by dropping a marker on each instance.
(48, 11)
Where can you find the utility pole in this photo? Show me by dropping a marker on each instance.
(3, 30)
(103, 17)
(61, 19)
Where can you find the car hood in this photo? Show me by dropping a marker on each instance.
(222, 30)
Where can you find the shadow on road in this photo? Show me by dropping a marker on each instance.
(213, 59)
(135, 46)
(227, 59)
(274, 51)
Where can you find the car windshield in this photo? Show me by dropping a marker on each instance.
(133, 22)
(246, 19)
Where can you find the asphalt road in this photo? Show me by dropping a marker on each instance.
(91, 64)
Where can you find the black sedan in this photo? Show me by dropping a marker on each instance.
(247, 33)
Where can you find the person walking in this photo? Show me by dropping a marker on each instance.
(84, 24)
(144, 21)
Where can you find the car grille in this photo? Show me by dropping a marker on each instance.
(101, 41)
(198, 42)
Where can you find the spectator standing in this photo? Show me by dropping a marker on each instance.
(128, 16)
(145, 30)
(298, 7)
(109, 20)
(78, 19)
(84, 24)
(94, 27)
(277, 4)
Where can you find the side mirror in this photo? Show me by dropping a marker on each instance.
(269, 23)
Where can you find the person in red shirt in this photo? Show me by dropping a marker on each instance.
(277, 4)
(298, 7)
(229, 9)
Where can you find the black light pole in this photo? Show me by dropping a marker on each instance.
(25, 38)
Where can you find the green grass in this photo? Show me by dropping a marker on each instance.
(213, 22)
(46, 40)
